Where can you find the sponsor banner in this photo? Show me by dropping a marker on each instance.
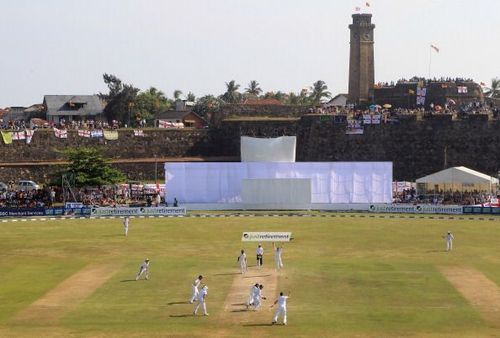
(354, 127)
(10, 212)
(266, 237)
(60, 133)
(167, 211)
(73, 205)
(169, 124)
(418, 209)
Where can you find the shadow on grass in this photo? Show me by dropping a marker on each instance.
(127, 280)
(259, 325)
(239, 304)
(228, 274)
(241, 310)
(433, 251)
(178, 303)
(182, 316)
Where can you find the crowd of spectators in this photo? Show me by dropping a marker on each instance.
(443, 197)
(25, 199)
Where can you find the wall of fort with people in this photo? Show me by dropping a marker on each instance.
(418, 145)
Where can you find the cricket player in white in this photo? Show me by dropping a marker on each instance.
(253, 292)
(195, 286)
(449, 241)
(202, 301)
(257, 298)
(277, 256)
(281, 308)
(260, 253)
(144, 269)
(126, 220)
(242, 259)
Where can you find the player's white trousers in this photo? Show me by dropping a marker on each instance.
(195, 293)
(279, 311)
(243, 267)
(449, 245)
(279, 263)
(203, 305)
(141, 272)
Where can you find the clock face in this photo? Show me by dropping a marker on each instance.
(367, 36)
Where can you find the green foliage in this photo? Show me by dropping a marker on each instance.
(90, 168)
(151, 102)
(120, 99)
(207, 104)
(494, 90)
(319, 91)
(253, 88)
(231, 95)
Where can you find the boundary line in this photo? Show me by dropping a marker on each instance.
(323, 215)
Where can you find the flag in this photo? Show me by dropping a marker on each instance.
(482, 84)
(29, 135)
(367, 4)
(7, 137)
(60, 133)
(84, 133)
(18, 135)
(435, 48)
(110, 135)
(96, 133)
(357, 9)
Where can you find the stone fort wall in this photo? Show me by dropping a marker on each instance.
(417, 147)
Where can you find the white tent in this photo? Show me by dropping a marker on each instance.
(459, 178)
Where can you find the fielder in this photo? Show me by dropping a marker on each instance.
(449, 241)
(202, 301)
(277, 256)
(253, 292)
(126, 220)
(257, 298)
(281, 308)
(144, 269)
(242, 259)
(195, 286)
(260, 253)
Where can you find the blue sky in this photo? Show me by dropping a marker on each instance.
(64, 46)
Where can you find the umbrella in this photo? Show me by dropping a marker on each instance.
(451, 101)
(386, 106)
(373, 106)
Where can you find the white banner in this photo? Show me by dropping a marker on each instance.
(418, 209)
(73, 205)
(167, 211)
(266, 237)
(331, 182)
(279, 149)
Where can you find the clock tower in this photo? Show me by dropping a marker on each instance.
(361, 61)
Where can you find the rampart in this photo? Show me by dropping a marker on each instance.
(416, 146)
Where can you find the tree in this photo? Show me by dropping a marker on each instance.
(120, 100)
(207, 104)
(151, 102)
(177, 94)
(191, 97)
(231, 95)
(494, 90)
(90, 168)
(319, 91)
(253, 88)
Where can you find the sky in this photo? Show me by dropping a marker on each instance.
(64, 46)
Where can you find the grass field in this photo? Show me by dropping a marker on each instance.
(349, 277)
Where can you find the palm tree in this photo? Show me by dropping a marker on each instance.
(177, 94)
(494, 90)
(253, 88)
(191, 97)
(319, 91)
(231, 95)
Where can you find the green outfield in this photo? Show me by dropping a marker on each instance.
(348, 277)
